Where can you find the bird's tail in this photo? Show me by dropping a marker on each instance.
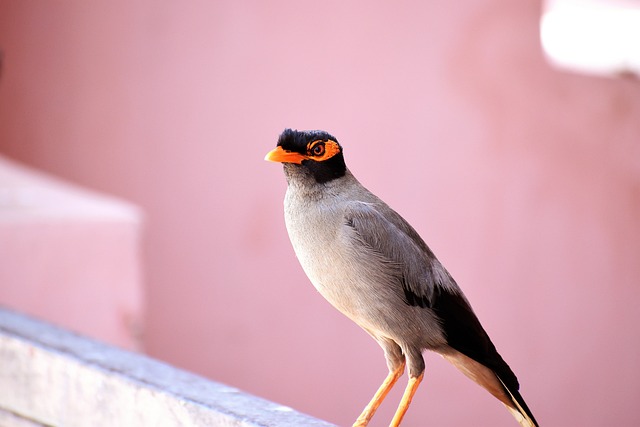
(489, 380)
(519, 408)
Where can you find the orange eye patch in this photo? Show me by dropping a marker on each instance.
(322, 150)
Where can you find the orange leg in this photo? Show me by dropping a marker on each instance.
(412, 386)
(382, 392)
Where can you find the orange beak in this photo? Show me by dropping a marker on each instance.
(278, 154)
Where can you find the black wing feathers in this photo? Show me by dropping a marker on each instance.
(465, 334)
(411, 298)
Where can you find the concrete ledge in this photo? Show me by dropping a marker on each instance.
(49, 376)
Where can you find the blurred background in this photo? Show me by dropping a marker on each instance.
(524, 178)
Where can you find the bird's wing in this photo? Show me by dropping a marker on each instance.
(384, 233)
(425, 282)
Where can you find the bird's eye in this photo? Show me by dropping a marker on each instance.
(318, 149)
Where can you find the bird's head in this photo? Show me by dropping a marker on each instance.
(313, 153)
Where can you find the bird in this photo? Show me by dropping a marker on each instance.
(371, 265)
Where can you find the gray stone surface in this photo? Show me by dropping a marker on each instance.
(49, 376)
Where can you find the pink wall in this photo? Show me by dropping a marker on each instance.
(70, 256)
(524, 180)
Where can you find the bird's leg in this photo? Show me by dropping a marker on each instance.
(412, 386)
(382, 392)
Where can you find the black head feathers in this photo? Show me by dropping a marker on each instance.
(322, 153)
(295, 140)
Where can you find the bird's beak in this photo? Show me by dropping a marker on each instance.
(278, 154)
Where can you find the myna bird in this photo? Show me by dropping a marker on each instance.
(371, 265)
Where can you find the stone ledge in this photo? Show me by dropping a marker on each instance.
(53, 377)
